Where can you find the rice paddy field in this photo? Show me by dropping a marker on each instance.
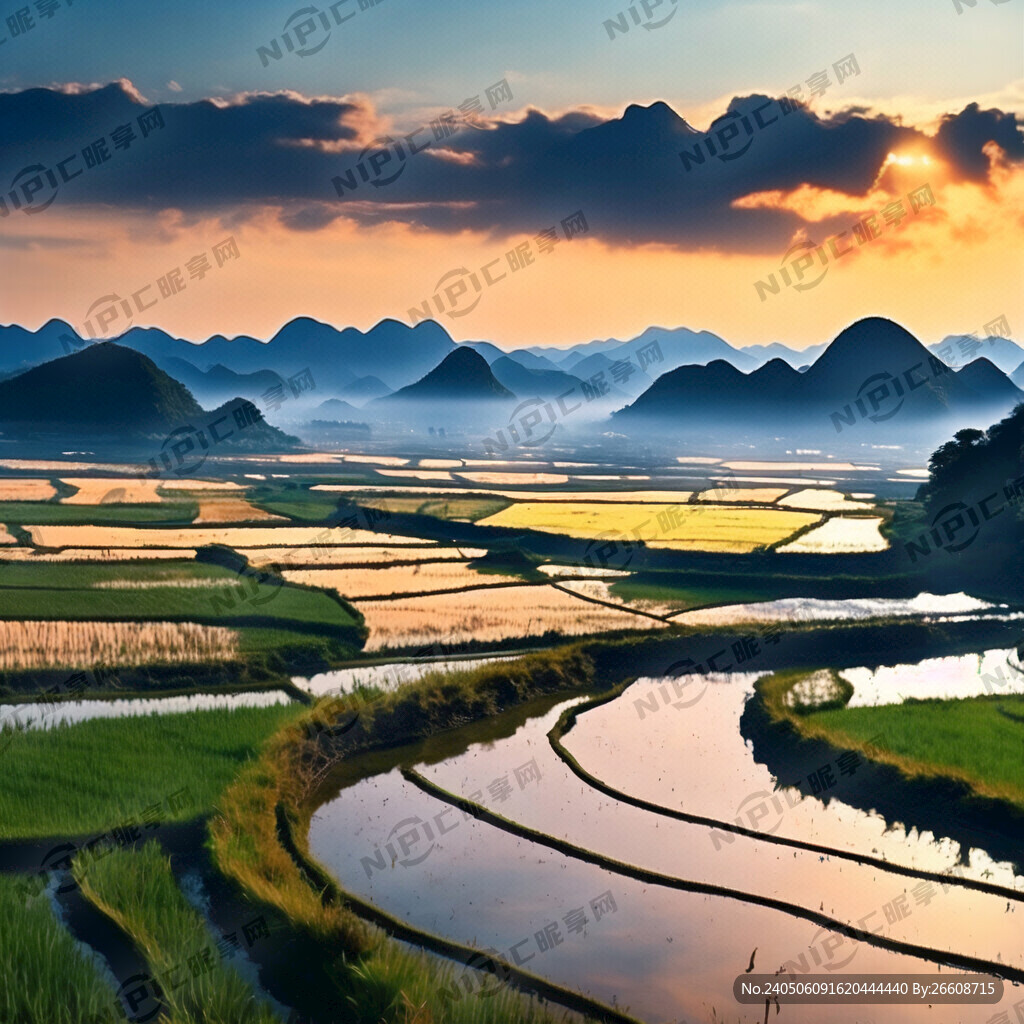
(61, 644)
(683, 527)
(425, 577)
(121, 766)
(230, 605)
(26, 490)
(490, 616)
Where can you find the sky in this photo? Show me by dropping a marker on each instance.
(889, 183)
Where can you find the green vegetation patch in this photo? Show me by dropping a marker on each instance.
(49, 513)
(137, 890)
(979, 740)
(47, 977)
(74, 780)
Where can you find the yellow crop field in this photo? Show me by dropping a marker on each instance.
(401, 579)
(328, 557)
(5, 537)
(754, 495)
(231, 510)
(255, 536)
(25, 645)
(490, 615)
(26, 490)
(111, 490)
(683, 527)
(824, 499)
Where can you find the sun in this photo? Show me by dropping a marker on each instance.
(908, 159)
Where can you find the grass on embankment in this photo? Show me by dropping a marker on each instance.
(975, 740)
(979, 740)
(80, 779)
(137, 890)
(47, 977)
(374, 980)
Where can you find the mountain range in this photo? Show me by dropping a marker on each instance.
(358, 366)
(873, 372)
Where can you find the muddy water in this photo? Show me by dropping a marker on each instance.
(664, 953)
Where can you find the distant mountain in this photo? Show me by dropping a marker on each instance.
(874, 370)
(336, 409)
(364, 389)
(629, 379)
(463, 375)
(795, 357)
(1018, 376)
(391, 351)
(656, 350)
(958, 349)
(219, 384)
(107, 391)
(530, 383)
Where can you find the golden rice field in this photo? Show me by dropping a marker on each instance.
(5, 537)
(683, 527)
(439, 463)
(329, 557)
(241, 536)
(28, 645)
(841, 535)
(490, 616)
(26, 490)
(755, 495)
(824, 499)
(111, 490)
(94, 554)
(232, 510)
(428, 577)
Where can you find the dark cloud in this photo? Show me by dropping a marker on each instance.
(523, 176)
(962, 136)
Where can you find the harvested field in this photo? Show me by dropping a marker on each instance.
(825, 500)
(329, 557)
(489, 616)
(405, 579)
(26, 490)
(28, 645)
(136, 536)
(840, 535)
(112, 491)
(232, 510)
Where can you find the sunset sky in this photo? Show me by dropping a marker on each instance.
(250, 145)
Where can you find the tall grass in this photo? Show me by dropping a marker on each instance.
(47, 977)
(138, 891)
